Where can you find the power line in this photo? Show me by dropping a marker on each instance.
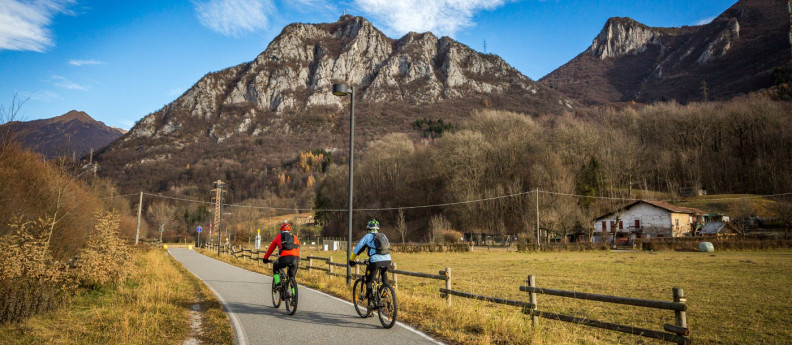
(446, 204)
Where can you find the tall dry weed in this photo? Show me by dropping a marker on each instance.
(31, 281)
(105, 258)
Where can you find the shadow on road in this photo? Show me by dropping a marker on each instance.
(349, 320)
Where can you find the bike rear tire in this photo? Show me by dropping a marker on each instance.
(388, 307)
(291, 299)
(359, 298)
(276, 297)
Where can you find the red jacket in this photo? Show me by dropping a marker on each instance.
(277, 243)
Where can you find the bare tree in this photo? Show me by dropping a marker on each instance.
(163, 214)
(401, 225)
(8, 114)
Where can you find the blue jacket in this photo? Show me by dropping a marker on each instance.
(368, 241)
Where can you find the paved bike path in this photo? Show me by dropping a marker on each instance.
(320, 318)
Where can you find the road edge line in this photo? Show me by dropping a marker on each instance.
(407, 327)
(241, 337)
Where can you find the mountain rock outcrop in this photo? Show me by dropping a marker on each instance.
(284, 94)
(72, 134)
(736, 53)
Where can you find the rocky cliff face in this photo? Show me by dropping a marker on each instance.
(284, 94)
(733, 54)
(297, 70)
(622, 36)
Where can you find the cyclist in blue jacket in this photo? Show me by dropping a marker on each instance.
(377, 262)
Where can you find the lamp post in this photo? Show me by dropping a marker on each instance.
(344, 90)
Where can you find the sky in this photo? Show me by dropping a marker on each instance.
(120, 60)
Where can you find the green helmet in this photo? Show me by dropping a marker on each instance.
(372, 225)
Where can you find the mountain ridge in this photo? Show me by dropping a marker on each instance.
(734, 54)
(280, 102)
(73, 133)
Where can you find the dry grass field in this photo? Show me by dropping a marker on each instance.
(737, 297)
(151, 307)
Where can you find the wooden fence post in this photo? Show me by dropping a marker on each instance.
(330, 265)
(448, 285)
(395, 278)
(680, 316)
(310, 263)
(532, 299)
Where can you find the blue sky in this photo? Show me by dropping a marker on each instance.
(121, 60)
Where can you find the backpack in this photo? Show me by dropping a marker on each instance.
(287, 241)
(381, 244)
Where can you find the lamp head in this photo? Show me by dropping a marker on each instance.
(341, 89)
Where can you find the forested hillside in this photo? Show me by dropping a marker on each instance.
(740, 146)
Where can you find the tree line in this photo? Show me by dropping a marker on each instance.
(640, 151)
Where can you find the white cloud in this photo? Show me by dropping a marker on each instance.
(126, 124)
(24, 25)
(234, 17)
(41, 96)
(443, 17)
(705, 21)
(307, 6)
(85, 62)
(62, 82)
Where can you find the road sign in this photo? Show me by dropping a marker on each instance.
(199, 229)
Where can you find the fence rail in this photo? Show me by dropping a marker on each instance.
(498, 300)
(677, 333)
(608, 299)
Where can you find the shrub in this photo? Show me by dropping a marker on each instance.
(105, 259)
(30, 280)
(452, 236)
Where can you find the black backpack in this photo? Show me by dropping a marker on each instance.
(287, 241)
(381, 244)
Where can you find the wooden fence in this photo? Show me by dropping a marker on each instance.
(253, 254)
(442, 275)
(676, 333)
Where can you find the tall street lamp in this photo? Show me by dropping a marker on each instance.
(344, 90)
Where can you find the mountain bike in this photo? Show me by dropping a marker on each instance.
(286, 291)
(383, 299)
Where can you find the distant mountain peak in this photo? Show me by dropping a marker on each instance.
(73, 133)
(621, 36)
(73, 115)
(733, 54)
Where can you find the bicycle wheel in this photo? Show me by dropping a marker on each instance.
(359, 298)
(276, 296)
(291, 296)
(387, 306)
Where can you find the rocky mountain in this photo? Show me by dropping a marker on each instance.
(736, 53)
(72, 134)
(259, 114)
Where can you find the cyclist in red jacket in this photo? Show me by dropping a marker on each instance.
(289, 254)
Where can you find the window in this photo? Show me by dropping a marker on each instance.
(604, 226)
(621, 225)
(638, 223)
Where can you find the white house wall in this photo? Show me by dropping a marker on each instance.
(649, 215)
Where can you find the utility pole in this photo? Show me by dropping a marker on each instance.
(537, 218)
(140, 209)
(218, 209)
